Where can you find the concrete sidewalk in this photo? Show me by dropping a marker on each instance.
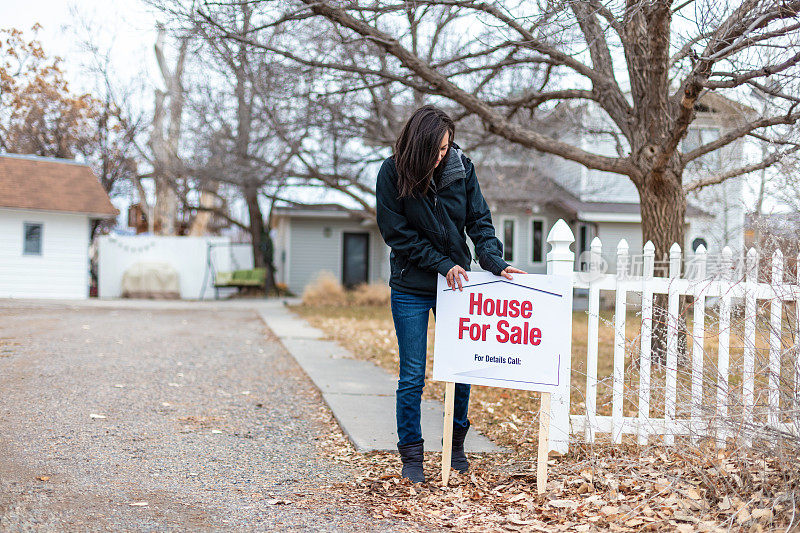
(360, 394)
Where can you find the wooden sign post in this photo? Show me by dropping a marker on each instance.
(544, 437)
(544, 441)
(503, 333)
(447, 432)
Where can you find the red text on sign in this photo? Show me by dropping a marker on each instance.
(517, 334)
(489, 307)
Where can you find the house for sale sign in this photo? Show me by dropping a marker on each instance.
(504, 333)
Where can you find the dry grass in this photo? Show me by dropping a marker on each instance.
(597, 487)
(371, 294)
(327, 292)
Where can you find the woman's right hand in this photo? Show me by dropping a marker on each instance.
(454, 277)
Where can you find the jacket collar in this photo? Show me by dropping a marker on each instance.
(454, 167)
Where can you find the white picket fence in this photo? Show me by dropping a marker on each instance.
(724, 289)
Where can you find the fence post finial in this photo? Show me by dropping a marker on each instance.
(560, 259)
(777, 267)
(751, 272)
(726, 263)
(648, 261)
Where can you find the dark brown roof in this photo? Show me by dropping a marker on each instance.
(30, 182)
(517, 187)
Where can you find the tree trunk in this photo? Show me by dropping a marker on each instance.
(261, 241)
(663, 210)
(202, 219)
(256, 225)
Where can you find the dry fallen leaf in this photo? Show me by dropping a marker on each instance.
(743, 516)
(564, 504)
(693, 494)
(43, 478)
(609, 510)
(762, 514)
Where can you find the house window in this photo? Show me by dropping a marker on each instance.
(697, 137)
(508, 239)
(699, 241)
(32, 235)
(537, 240)
(585, 236)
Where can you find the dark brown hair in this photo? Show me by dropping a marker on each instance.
(417, 147)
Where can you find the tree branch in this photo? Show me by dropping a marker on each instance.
(494, 122)
(789, 118)
(719, 178)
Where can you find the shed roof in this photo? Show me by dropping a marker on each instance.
(32, 182)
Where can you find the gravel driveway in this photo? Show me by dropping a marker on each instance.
(154, 420)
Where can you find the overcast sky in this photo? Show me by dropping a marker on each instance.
(126, 28)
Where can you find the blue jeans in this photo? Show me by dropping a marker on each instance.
(410, 314)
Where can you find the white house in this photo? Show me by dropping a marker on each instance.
(46, 209)
(606, 205)
(525, 204)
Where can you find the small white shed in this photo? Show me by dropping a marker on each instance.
(46, 209)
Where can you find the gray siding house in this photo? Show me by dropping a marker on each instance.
(327, 237)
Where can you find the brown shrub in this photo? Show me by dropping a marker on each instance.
(324, 290)
(371, 294)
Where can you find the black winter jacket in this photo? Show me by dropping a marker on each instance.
(427, 234)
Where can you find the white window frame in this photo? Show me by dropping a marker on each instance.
(543, 220)
(515, 244)
(41, 237)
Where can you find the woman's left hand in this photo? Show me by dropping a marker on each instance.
(506, 273)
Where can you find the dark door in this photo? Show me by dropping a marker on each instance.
(355, 259)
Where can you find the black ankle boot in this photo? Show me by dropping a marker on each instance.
(458, 460)
(411, 455)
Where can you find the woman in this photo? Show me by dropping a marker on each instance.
(427, 196)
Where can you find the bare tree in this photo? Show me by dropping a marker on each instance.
(164, 138)
(242, 126)
(643, 70)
